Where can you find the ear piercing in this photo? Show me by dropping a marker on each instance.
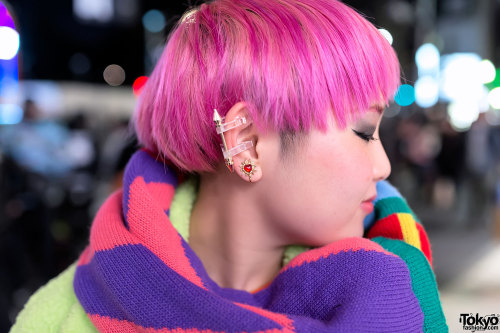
(248, 168)
(221, 126)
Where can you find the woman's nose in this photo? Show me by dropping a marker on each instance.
(381, 164)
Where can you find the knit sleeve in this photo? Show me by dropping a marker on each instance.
(394, 219)
(395, 227)
(423, 282)
(54, 308)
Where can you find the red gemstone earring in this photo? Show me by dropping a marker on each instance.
(248, 168)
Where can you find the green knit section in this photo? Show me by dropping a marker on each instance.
(77, 321)
(182, 205)
(54, 308)
(423, 282)
(391, 205)
(291, 252)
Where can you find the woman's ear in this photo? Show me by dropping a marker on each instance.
(246, 164)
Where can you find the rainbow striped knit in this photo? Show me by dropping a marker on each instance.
(139, 274)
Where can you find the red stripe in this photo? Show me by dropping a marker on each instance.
(424, 240)
(387, 227)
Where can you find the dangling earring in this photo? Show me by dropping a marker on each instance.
(248, 168)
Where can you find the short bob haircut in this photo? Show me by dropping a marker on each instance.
(290, 61)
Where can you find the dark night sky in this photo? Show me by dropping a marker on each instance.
(50, 35)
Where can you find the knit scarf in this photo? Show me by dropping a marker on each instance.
(139, 274)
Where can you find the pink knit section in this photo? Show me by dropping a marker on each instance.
(159, 237)
(108, 230)
(162, 194)
(344, 245)
(86, 256)
(281, 319)
(111, 325)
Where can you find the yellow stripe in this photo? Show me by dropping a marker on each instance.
(409, 230)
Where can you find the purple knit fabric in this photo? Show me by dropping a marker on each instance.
(353, 290)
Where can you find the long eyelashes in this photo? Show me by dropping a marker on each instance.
(365, 136)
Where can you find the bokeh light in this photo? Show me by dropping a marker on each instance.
(139, 84)
(400, 11)
(460, 77)
(114, 75)
(493, 117)
(426, 91)
(79, 64)
(10, 114)
(427, 59)
(487, 71)
(387, 35)
(494, 98)
(462, 114)
(9, 41)
(95, 10)
(154, 20)
(483, 103)
(405, 95)
(496, 81)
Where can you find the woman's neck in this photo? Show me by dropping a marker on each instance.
(231, 235)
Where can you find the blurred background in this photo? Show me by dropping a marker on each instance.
(70, 73)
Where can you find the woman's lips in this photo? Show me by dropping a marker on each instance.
(367, 206)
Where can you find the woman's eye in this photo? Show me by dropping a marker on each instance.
(364, 136)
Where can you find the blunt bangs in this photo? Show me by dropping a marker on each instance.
(290, 61)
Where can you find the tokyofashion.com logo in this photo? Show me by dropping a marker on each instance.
(476, 322)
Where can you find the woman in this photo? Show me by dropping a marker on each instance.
(204, 235)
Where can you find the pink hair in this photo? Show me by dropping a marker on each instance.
(290, 61)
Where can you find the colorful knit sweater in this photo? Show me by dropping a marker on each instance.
(139, 274)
